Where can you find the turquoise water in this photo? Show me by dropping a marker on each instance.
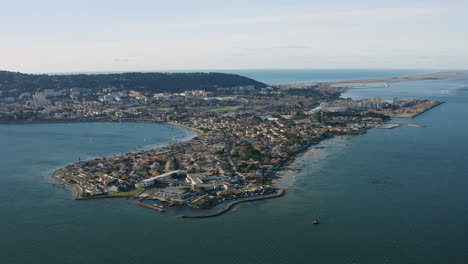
(321, 75)
(282, 76)
(389, 196)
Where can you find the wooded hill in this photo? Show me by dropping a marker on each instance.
(142, 82)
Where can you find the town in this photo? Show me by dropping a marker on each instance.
(246, 135)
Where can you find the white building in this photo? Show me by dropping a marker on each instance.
(151, 181)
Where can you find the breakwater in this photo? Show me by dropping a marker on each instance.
(141, 203)
(427, 109)
(230, 205)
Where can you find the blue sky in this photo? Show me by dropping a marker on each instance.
(74, 36)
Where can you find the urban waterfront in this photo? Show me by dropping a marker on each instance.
(389, 196)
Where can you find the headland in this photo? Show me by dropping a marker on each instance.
(246, 136)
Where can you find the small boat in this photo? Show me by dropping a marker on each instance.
(316, 221)
(159, 206)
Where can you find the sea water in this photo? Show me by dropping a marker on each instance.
(389, 196)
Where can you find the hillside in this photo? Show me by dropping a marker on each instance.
(142, 82)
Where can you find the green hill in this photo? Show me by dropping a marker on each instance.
(142, 82)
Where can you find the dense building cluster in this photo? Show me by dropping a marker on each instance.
(246, 135)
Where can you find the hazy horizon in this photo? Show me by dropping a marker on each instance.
(246, 70)
(53, 36)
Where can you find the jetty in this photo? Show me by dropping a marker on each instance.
(230, 205)
(392, 125)
(406, 124)
(141, 203)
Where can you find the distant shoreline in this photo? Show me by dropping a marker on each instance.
(440, 75)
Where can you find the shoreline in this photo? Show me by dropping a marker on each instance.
(440, 75)
(422, 112)
(197, 131)
(295, 161)
(296, 166)
(143, 121)
(297, 157)
(141, 203)
(75, 188)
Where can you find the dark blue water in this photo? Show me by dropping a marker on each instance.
(389, 196)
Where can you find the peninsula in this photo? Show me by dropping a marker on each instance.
(247, 131)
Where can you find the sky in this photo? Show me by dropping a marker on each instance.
(151, 35)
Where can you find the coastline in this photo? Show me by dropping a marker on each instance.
(143, 121)
(72, 121)
(197, 131)
(292, 165)
(296, 160)
(28, 122)
(75, 188)
(287, 177)
(422, 112)
(441, 75)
